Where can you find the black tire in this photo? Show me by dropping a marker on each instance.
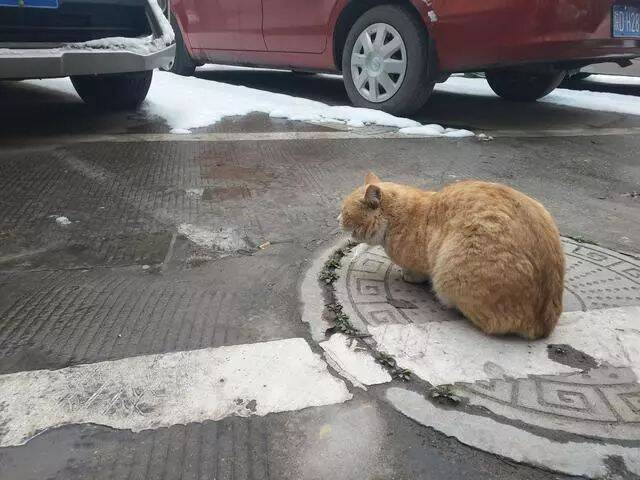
(182, 64)
(522, 85)
(121, 91)
(416, 87)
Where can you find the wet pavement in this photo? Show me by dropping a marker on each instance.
(178, 244)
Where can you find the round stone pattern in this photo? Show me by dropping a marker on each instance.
(601, 402)
(596, 278)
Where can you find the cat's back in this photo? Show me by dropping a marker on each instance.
(506, 248)
(501, 227)
(493, 208)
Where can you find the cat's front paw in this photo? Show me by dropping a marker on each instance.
(413, 277)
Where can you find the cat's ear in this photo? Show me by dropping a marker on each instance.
(371, 179)
(372, 196)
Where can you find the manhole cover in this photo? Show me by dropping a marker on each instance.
(581, 381)
(596, 278)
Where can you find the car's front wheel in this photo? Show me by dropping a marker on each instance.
(524, 85)
(385, 61)
(120, 91)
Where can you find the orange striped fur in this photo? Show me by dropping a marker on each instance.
(489, 250)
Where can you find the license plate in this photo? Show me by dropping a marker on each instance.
(626, 21)
(29, 3)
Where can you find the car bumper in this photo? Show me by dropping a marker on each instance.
(30, 63)
(102, 56)
(566, 54)
(499, 33)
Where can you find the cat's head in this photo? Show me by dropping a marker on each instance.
(362, 214)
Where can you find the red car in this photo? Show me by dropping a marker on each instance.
(391, 53)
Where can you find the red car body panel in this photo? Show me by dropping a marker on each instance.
(468, 34)
(298, 27)
(489, 33)
(227, 24)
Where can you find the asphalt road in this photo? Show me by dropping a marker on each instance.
(123, 279)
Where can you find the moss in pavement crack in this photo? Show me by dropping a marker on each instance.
(328, 276)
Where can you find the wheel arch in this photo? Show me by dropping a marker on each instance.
(353, 9)
(176, 10)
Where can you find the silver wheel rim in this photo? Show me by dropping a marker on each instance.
(378, 62)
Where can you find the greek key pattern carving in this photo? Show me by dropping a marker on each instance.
(604, 395)
(596, 278)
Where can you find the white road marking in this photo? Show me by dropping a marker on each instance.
(488, 435)
(154, 391)
(456, 351)
(565, 132)
(30, 143)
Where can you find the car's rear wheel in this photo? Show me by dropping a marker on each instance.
(524, 85)
(121, 91)
(385, 61)
(182, 64)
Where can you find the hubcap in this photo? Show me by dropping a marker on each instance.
(378, 62)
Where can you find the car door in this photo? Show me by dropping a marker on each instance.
(226, 24)
(296, 25)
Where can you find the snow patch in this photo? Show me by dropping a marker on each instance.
(599, 101)
(63, 221)
(194, 192)
(141, 45)
(457, 133)
(434, 130)
(613, 79)
(187, 102)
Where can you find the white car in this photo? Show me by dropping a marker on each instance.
(109, 48)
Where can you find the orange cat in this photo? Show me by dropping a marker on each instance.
(490, 251)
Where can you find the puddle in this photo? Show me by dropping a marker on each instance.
(226, 193)
(235, 172)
